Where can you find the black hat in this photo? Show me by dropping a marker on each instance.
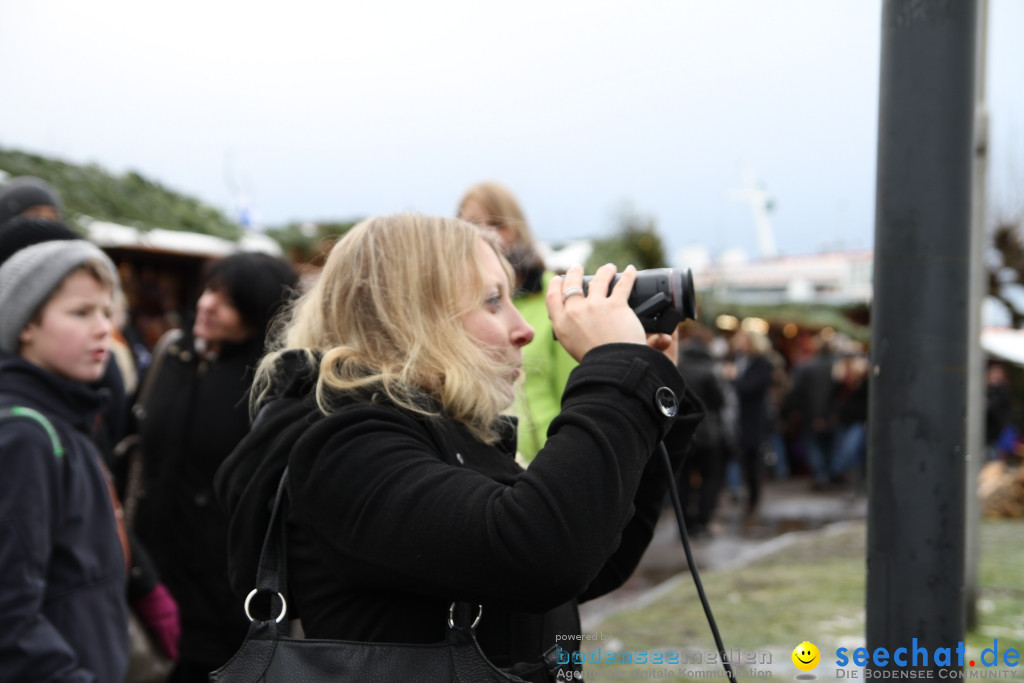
(24, 231)
(258, 284)
(25, 192)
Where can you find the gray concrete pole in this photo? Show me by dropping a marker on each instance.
(920, 333)
(976, 359)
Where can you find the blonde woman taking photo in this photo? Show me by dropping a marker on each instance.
(394, 371)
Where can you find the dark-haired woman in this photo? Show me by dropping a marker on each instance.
(194, 413)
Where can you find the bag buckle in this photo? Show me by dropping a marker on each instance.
(451, 616)
(284, 606)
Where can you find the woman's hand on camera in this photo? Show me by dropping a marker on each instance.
(582, 322)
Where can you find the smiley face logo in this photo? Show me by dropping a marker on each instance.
(806, 656)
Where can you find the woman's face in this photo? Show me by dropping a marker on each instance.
(217, 319)
(475, 212)
(494, 322)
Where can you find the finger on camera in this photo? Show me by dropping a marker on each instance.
(624, 287)
(573, 277)
(601, 283)
(553, 297)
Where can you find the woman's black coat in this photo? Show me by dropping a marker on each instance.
(395, 515)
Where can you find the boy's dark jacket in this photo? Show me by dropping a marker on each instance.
(62, 579)
(400, 514)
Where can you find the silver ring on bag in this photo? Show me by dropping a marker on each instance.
(451, 616)
(248, 599)
(571, 292)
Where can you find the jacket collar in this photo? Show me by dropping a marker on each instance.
(73, 402)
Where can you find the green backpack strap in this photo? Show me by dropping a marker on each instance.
(16, 412)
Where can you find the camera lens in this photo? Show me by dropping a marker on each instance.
(661, 297)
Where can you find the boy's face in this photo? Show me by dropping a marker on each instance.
(71, 336)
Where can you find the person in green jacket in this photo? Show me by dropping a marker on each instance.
(546, 365)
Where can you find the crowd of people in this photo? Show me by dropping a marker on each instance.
(771, 416)
(96, 534)
(458, 423)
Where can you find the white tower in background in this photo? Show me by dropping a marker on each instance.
(760, 203)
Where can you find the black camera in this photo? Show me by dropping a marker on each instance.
(661, 297)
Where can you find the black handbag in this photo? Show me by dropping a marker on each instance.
(269, 654)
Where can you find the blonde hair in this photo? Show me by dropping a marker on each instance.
(502, 210)
(760, 344)
(384, 315)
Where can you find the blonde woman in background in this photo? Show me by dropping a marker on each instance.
(546, 364)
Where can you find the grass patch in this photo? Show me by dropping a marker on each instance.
(1000, 587)
(811, 588)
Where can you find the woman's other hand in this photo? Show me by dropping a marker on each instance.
(668, 344)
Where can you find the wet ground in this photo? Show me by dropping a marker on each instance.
(735, 538)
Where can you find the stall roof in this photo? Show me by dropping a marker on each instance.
(1005, 343)
(113, 235)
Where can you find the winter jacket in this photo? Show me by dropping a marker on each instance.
(752, 384)
(698, 369)
(395, 515)
(814, 393)
(62, 571)
(196, 412)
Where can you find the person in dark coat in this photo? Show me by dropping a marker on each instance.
(29, 196)
(194, 414)
(403, 489)
(63, 554)
(813, 401)
(700, 480)
(849, 453)
(751, 375)
(998, 412)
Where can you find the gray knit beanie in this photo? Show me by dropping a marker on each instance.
(31, 275)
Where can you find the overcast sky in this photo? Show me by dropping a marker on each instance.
(332, 110)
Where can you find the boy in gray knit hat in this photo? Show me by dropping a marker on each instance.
(63, 551)
(33, 274)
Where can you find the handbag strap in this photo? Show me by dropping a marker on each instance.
(134, 488)
(271, 573)
(168, 338)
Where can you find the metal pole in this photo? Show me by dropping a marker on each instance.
(920, 331)
(976, 360)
